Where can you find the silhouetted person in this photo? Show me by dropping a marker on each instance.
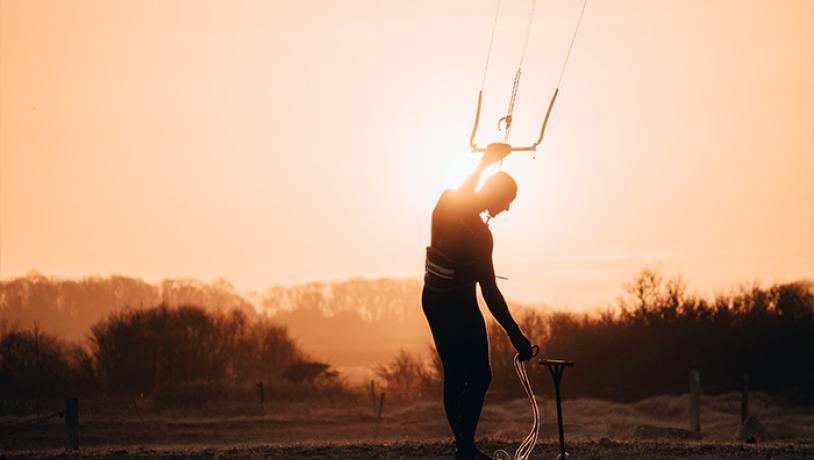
(459, 256)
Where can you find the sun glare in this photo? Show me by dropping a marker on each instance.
(445, 157)
(456, 167)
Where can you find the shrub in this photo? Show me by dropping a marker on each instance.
(139, 350)
(408, 377)
(35, 365)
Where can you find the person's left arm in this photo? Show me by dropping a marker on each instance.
(499, 308)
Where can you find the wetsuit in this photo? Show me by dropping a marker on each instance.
(459, 256)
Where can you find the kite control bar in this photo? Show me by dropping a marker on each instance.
(507, 121)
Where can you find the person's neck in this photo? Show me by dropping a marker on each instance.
(477, 205)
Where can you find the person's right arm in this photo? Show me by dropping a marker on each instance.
(494, 153)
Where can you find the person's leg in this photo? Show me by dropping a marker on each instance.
(454, 384)
(440, 310)
(478, 378)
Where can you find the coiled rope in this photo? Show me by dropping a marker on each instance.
(523, 452)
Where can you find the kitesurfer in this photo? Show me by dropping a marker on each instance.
(458, 258)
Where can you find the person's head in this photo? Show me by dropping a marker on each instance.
(497, 193)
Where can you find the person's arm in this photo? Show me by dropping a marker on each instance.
(500, 310)
(498, 307)
(494, 153)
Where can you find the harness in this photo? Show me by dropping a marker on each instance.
(441, 273)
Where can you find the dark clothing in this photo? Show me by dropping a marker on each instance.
(460, 338)
(459, 241)
(459, 256)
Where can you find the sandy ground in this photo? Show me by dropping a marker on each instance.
(438, 451)
(594, 429)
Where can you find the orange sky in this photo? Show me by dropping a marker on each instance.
(278, 142)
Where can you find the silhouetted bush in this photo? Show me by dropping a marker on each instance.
(34, 365)
(409, 377)
(660, 333)
(179, 357)
(136, 351)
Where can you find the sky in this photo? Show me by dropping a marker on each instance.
(281, 142)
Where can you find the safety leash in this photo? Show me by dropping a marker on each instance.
(523, 452)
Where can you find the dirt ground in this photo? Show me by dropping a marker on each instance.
(652, 428)
(438, 451)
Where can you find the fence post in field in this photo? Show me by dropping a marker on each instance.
(373, 396)
(72, 423)
(135, 407)
(381, 407)
(695, 401)
(261, 395)
(745, 400)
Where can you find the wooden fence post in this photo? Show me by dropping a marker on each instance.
(135, 407)
(72, 423)
(745, 400)
(695, 401)
(373, 396)
(261, 394)
(381, 407)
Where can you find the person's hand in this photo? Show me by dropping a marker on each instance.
(495, 152)
(523, 346)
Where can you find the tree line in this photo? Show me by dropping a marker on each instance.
(157, 351)
(646, 345)
(650, 343)
(347, 322)
(68, 308)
